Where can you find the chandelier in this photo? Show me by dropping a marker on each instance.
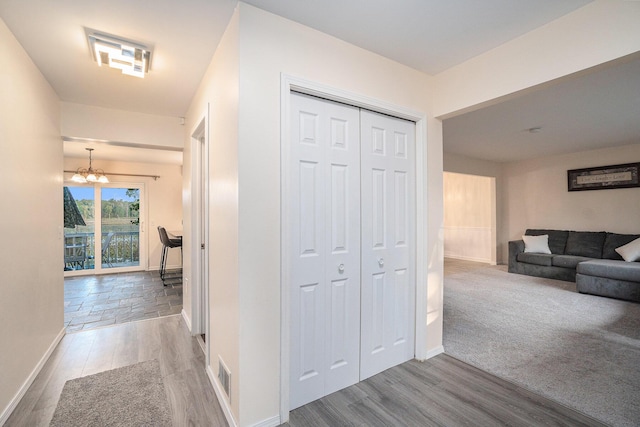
(83, 175)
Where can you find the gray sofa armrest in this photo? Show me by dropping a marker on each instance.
(515, 247)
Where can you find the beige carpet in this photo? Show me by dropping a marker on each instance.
(579, 350)
(129, 396)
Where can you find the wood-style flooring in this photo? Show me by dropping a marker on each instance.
(190, 394)
(441, 391)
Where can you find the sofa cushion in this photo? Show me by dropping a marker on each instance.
(568, 261)
(611, 269)
(631, 251)
(614, 241)
(557, 238)
(585, 243)
(537, 259)
(536, 244)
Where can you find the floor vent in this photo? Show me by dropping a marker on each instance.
(224, 376)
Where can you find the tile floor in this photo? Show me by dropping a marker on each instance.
(94, 301)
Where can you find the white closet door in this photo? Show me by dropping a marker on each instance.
(388, 242)
(325, 248)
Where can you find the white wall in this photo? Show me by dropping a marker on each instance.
(164, 200)
(601, 31)
(243, 87)
(31, 254)
(466, 165)
(85, 121)
(469, 217)
(536, 195)
(220, 89)
(270, 46)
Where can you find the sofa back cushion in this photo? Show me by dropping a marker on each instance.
(557, 238)
(614, 241)
(585, 243)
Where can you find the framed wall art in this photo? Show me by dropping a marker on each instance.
(604, 177)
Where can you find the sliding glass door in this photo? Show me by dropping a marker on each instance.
(106, 234)
(79, 228)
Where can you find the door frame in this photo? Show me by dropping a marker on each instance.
(199, 175)
(288, 84)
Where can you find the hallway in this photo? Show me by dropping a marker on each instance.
(191, 397)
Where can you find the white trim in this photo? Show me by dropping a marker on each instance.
(469, 258)
(433, 353)
(200, 291)
(288, 84)
(269, 422)
(27, 383)
(186, 319)
(224, 403)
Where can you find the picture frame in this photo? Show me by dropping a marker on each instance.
(604, 177)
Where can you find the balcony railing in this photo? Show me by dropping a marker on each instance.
(123, 250)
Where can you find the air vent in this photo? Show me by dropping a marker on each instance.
(224, 376)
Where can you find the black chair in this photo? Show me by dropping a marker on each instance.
(167, 242)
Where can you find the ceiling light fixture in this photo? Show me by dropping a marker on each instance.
(534, 129)
(91, 175)
(131, 58)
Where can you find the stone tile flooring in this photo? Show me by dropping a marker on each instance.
(94, 301)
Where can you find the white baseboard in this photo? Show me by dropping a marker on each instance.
(224, 403)
(269, 422)
(169, 267)
(25, 386)
(434, 352)
(467, 258)
(186, 319)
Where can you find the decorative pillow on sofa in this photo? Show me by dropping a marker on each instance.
(613, 242)
(536, 244)
(557, 238)
(631, 251)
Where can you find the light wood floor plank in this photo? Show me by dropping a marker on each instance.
(167, 339)
(442, 391)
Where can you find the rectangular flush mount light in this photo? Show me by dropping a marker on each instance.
(130, 57)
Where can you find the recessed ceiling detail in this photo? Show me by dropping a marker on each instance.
(132, 58)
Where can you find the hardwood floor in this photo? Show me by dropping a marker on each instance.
(190, 394)
(439, 392)
(442, 391)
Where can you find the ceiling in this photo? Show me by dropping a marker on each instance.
(429, 35)
(591, 111)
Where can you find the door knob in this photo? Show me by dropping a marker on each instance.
(381, 262)
(341, 268)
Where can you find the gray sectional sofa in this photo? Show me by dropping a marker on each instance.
(588, 258)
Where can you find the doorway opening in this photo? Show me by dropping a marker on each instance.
(200, 233)
(470, 217)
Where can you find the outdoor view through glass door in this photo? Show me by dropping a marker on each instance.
(102, 228)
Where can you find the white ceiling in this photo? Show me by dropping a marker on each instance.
(596, 110)
(184, 36)
(429, 35)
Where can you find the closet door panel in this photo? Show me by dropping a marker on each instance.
(388, 242)
(325, 239)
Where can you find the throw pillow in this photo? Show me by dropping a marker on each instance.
(537, 244)
(631, 251)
